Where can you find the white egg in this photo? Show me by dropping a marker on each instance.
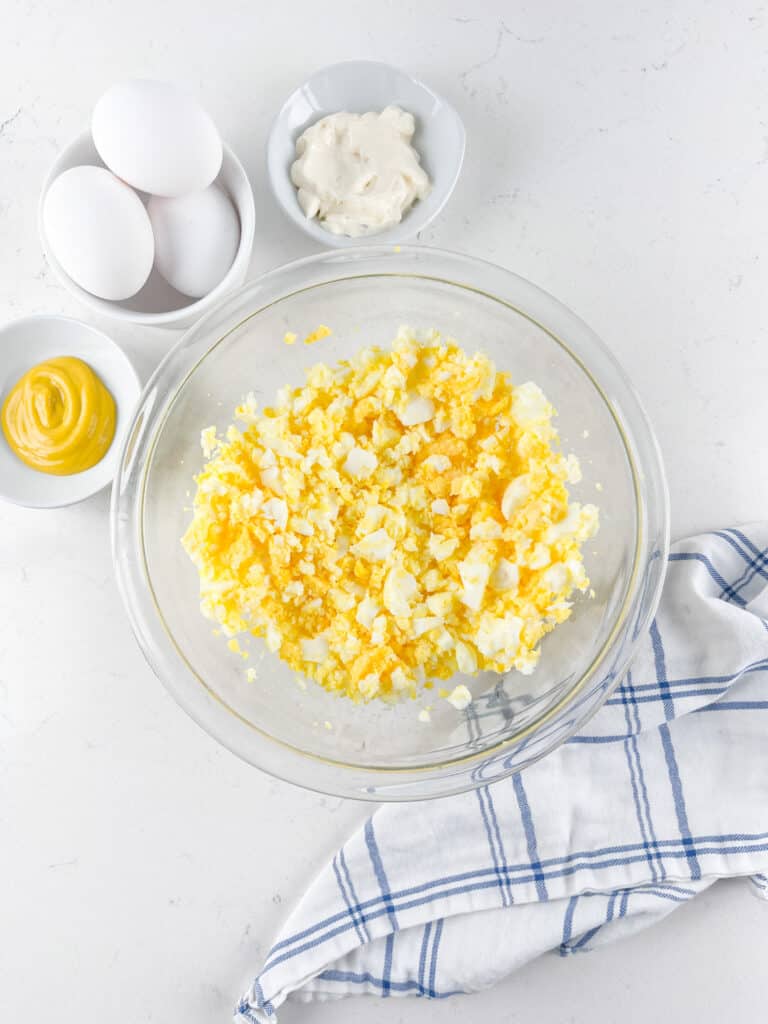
(196, 238)
(98, 230)
(156, 138)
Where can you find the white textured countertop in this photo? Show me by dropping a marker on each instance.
(618, 158)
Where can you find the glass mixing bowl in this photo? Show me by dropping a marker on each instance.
(308, 736)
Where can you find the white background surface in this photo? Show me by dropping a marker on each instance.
(617, 156)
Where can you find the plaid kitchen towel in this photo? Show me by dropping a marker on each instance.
(664, 792)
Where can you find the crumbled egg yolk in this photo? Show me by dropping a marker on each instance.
(402, 516)
(317, 335)
(290, 337)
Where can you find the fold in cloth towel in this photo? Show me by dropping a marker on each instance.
(664, 792)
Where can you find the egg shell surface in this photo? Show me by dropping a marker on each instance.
(196, 238)
(98, 230)
(156, 138)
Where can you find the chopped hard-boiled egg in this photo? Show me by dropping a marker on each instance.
(460, 697)
(318, 335)
(402, 516)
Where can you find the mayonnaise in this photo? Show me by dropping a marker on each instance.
(358, 173)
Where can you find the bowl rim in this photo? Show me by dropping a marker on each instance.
(131, 376)
(174, 318)
(412, 223)
(407, 780)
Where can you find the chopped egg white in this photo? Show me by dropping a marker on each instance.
(376, 547)
(474, 575)
(460, 697)
(399, 588)
(505, 576)
(367, 610)
(416, 410)
(438, 462)
(441, 547)
(360, 463)
(315, 650)
(514, 496)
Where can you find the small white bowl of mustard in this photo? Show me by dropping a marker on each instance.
(67, 393)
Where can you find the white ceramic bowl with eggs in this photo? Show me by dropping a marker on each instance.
(157, 303)
(358, 86)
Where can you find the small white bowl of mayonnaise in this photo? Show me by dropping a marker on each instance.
(363, 151)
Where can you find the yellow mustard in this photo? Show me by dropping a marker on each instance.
(59, 418)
